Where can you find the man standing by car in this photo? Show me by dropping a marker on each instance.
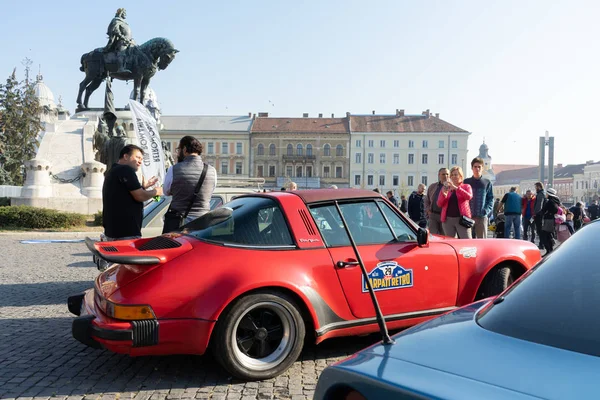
(123, 196)
(183, 177)
(416, 206)
(528, 213)
(391, 198)
(431, 208)
(483, 198)
(511, 204)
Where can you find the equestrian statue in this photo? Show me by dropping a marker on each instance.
(122, 59)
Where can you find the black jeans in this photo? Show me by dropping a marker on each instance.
(538, 228)
(547, 238)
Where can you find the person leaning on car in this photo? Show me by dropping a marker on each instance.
(434, 212)
(454, 200)
(123, 196)
(181, 180)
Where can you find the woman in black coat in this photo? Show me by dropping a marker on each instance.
(548, 224)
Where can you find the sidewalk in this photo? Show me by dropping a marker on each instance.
(94, 234)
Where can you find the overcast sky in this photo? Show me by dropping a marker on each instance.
(506, 71)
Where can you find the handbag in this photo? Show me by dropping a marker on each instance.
(174, 220)
(548, 225)
(466, 222)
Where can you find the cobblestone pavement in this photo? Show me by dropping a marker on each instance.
(40, 359)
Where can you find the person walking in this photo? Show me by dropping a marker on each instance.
(403, 204)
(434, 212)
(454, 200)
(123, 196)
(548, 221)
(528, 214)
(416, 206)
(594, 210)
(191, 182)
(540, 202)
(511, 204)
(391, 198)
(578, 215)
(483, 198)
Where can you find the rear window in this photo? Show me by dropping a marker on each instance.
(556, 305)
(255, 221)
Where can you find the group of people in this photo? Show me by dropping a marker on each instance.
(452, 206)
(190, 182)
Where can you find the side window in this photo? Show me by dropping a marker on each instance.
(216, 202)
(330, 225)
(366, 223)
(402, 231)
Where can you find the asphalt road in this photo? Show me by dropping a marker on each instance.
(40, 359)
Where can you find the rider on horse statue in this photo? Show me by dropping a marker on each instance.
(119, 39)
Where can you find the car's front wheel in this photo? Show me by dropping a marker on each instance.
(496, 281)
(259, 336)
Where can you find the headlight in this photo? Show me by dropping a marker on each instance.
(129, 312)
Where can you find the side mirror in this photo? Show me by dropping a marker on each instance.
(422, 237)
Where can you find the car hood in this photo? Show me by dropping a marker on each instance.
(455, 344)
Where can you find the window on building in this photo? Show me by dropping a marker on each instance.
(396, 158)
(454, 159)
(455, 144)
(290, 150)
(424, 158)
(224, 148)
(382, 158)
(411, 158)
(289, 170)
(309, 149)
(395, 180)
(339, 150)
(441, 144)
(370, 158)
(259, 171)
(440, 158)
(396, 143)
(327, 150)
(411, 144)
(299, 172)
(238, 168)
(271, 171)
(238, 148)
(381, 180)
(356, 180)
(371, 143)
(338, 172)
(577, 185)
(309, 173)
(358, 158)
(211, 148)
(424, 180)
(224, 167)
(271, 149)
(299, 149)
(425, 144)
(382, 144)
(326, 171)
(358, 143)
(370, 180)
(260, 150)
(411, 180)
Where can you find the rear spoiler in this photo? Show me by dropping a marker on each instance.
(121, 259)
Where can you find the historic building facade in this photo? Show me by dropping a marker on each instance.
(397, 152)
(225, 139)
(313, 152)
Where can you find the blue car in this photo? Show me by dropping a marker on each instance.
(538, 339)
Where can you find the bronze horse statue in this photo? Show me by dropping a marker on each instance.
(143, 61)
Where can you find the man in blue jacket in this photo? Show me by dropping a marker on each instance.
(511, 202)
(483, 199)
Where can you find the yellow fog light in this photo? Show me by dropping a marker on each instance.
(129, 312)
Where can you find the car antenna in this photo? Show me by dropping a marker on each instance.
(341, 264)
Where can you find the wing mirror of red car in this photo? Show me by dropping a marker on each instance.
(422, 237)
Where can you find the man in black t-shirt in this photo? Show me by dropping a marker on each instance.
(123, 196)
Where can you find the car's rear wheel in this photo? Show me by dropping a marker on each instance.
(495, 282)
(259, 336)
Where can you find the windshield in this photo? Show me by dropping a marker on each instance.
(255, 221)
(556, 304)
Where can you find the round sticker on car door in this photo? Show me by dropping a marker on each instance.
(388, 275)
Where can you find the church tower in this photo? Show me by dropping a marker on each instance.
(488, 171)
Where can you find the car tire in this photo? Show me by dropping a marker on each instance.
(260, 336)
(495, 282)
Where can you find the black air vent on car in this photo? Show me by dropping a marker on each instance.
(145, 333)
(159, 243)
(306, 221)
(112, 249)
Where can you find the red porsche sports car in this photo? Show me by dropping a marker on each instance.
(255, 279)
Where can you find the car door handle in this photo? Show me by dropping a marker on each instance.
(346, 264)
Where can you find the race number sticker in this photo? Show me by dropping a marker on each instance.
(388, 275)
